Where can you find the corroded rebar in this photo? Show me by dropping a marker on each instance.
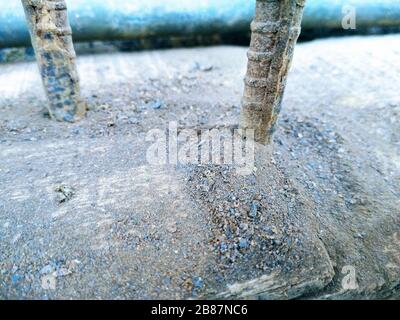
(275, 29)
(51, 37)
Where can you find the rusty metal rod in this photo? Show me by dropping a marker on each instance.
(51, 38)
(275, 30)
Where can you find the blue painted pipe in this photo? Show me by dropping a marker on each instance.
(133, 19)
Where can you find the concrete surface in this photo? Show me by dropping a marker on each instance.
(84, 215)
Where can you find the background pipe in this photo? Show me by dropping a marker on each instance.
(132, 19)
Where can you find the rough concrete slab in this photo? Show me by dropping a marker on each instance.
(84, 215)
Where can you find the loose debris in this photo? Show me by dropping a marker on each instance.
(64, 193)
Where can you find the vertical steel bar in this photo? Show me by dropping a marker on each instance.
(51, 38)
(275, 30)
